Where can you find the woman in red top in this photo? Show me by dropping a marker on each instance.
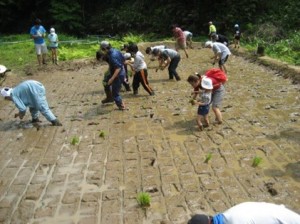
(180, 39)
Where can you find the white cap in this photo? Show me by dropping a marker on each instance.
(208, 44)
(2, 69)
(127, 55)
(236, 25)
(104, 44)
(206, 83)
(52, 30)
(6, 91)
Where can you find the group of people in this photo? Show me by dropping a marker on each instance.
(38, 34)
(208, 89)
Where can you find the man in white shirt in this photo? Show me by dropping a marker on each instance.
(221, 53)
(250, 213)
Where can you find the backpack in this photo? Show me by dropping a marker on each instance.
(217, 74)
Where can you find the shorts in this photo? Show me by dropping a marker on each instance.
(217, 97)
(237, 37)
(203, 110)
(41, 49)
(189, 37)
(222, 61)
(180, 45)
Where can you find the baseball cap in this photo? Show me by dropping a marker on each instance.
(199, 219)
(2, 69)
(104, 44)
(208, 43)
(52, 30)
(206, 83)
(6, 91)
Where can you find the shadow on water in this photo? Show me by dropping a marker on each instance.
(289, 134)
(291, 169)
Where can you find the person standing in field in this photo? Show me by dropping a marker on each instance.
(38, 33)
(237, 36)
(53, 40)
(117, 72)
(180, 41)
(211, 29)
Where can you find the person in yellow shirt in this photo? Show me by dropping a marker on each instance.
(212, 29)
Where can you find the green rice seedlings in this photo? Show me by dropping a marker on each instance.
(144, 199)
(75, 140)
(256, 161)
(208, 157)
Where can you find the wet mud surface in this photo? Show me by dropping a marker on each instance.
(155, 146)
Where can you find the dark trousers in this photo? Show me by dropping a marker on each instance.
(141, 77)
(172, 68)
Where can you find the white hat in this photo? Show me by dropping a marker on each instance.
(52, 30)
(236, 25)
(104, 44)
(2, 69)
(6, 91)
(208, 43)
(206, 83)
(127, 55)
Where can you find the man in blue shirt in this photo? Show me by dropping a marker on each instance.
(38, 33)
(32, 94)
(117, 71)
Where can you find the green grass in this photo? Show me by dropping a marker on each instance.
(144, 199)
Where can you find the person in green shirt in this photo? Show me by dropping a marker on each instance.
(212, 29)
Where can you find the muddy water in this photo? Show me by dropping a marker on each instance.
(155, 146)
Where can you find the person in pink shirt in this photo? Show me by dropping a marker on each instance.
(180, 42)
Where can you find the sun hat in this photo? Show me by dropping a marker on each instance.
(2, 69)
(208, 44)
(236, 25)
(6, 91)
(104, 44)
(206, 83)
(199, 219)
(52, 30)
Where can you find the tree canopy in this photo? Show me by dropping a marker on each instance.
(80, 17)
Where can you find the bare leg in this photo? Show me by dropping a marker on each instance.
(39, 58)
(200, 125)
(218, 115)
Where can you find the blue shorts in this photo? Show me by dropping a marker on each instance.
(203, 110)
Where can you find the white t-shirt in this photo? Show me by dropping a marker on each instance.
(187, 34)
(221, 48)
(260, 213)
(139, 62)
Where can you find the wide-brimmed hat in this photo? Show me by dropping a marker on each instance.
(206, 83)
(2, 69)
(6, 91)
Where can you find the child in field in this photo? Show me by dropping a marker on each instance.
(206, 86)
(139, 68)
(53, 39)
(237, 36)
